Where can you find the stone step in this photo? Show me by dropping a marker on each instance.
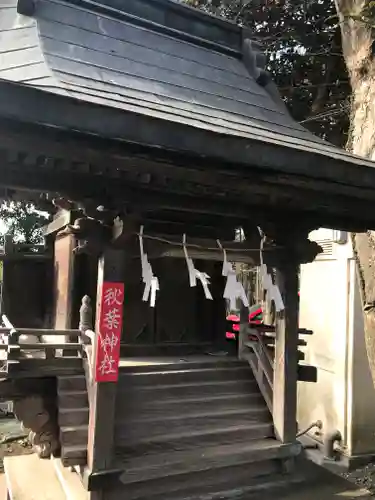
(152, 427)
(164, 377)
(193, 439)
(164, 466)
(73, 416)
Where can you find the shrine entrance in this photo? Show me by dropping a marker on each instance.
(153, 132)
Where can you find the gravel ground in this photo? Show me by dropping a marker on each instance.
(364, 477)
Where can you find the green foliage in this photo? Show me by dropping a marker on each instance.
(302, 40)
(23, 221)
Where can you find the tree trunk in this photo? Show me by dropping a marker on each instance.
(357, 43)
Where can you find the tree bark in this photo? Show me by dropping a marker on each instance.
(357, 43)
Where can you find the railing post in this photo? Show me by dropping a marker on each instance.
(243, 334)
(102, 394)
(12, 338)
(286, 357)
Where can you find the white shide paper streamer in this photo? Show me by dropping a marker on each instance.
(233, 288)
(194, 274)
(151, 282)
(273, 291)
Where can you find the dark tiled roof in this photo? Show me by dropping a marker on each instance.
(114, 60)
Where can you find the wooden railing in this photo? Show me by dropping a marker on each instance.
(257, 347)
(33, 349)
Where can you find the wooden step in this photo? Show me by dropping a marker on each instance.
(165, 465)
(72, 399)
(73, 383)
(73, 416)
(232, 487)
(75, 435)
(152, 365)
(30, 478)
(202, 482)
(142, 428)
(175, 390)
(72, 455)
(193, 439)
(164, 377)
(187, 405)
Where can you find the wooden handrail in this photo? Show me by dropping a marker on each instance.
(258, 355)
(39, 331)
(40, 346)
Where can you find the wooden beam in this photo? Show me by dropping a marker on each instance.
(349, 213)
(214, 255)
(163, 245)
(62, 218)
(103, 395)
(286, 356)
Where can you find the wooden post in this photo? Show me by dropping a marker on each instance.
(64, 267)
(286, 361)
(243, 334)
(103, 394)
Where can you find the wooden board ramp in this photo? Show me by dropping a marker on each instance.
(28, 477)
(70, 481)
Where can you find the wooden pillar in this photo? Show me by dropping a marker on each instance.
(5, 285)
(63, 280)
(286, 361)
(103, 394)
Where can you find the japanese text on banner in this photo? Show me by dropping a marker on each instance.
(110, 328)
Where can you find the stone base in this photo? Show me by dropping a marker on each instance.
(313, 451)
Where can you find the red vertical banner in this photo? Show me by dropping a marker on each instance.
(109, 334)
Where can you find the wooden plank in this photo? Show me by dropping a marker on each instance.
(30, 478)
(286, 361)
(70, 482)
(39, 346)
(3, 488)
(27, 368)
(103, 395)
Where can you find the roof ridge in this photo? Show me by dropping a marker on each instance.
(175, 19)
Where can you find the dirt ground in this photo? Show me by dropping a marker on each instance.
(13, 440)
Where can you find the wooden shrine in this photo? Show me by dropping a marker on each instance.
(148, 118)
